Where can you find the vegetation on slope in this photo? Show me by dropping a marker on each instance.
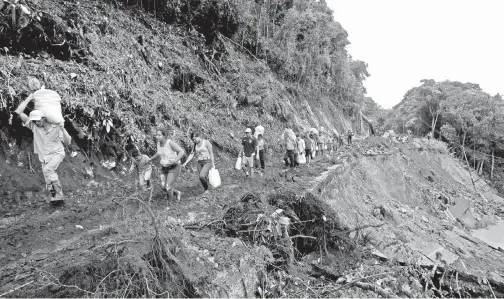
(462, 114)
(214, 65)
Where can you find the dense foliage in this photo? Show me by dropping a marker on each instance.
(471, 120)
(121, 72)
(298, 39)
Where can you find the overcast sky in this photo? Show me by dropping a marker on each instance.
(406, 41)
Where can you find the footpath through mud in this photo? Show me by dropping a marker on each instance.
(370, 220)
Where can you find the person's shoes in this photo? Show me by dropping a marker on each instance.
(58, 197)
(51, 190)
(178, 195)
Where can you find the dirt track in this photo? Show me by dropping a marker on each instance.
(54, 250)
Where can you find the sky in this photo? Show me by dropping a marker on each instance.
(405, 41)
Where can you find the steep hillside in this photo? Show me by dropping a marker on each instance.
(373, 218)
(120, 64)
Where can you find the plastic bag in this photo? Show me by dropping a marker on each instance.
(214, 178)
(301, 159)
(49, 102)
(313, 153)
(238, 165)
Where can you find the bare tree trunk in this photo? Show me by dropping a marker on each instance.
(258, 29)
(474, 156)
(463, 146)
(493, 164)
(468, 167)
(434, 123)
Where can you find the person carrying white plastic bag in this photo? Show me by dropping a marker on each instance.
(214, 178)
(238, 165)
(301, 159)
(203, 150)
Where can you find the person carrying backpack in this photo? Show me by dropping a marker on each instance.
(203, 150)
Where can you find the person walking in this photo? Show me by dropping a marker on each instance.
(143, 166)
(301, 146)
(170, 154)
(315, 150)
(336, 142)
(261, 149)
(203, 150)
(308, 147)
(248, 152)
(48, 140)
(289, 139)
(329, 143)
(349, 137)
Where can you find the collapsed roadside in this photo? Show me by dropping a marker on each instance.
(369, 220)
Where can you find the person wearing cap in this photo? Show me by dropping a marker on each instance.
(248, 151)
(48, 142)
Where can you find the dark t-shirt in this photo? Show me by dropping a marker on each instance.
(308, 142)
(249, 145)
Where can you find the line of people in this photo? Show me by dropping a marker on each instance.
(49, 139)
(171, 154)
(299, 148)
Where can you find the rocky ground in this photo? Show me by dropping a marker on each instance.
(368, 221)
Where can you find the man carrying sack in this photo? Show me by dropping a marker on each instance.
(48, 137)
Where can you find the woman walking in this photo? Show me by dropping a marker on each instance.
(203, 150)
(170, 154)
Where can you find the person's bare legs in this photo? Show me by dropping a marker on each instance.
(171, 177)
(251, 169)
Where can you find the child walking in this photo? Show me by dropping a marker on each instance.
(143, 167)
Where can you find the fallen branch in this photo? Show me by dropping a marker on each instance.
(16, 288)
(363, 227)
(359, 279)
(301, 236)
(29, 163)
(374, 288)
(195, 225)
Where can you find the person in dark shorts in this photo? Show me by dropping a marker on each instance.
(248, 152)
(170, 154)
(349, 137)
(203, 150)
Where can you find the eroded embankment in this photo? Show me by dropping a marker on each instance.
(410, 191)
(362, 223)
